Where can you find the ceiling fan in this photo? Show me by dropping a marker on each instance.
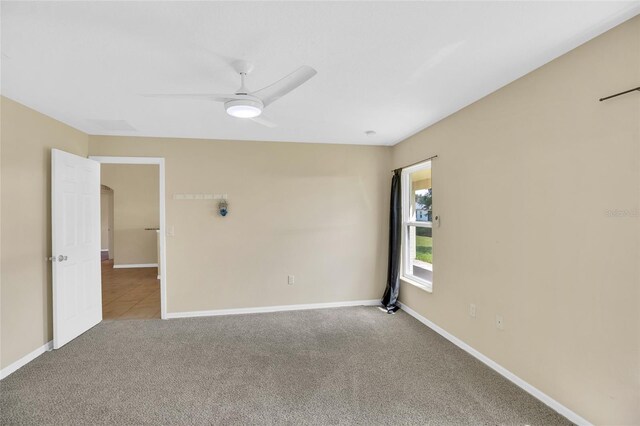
(246, 104)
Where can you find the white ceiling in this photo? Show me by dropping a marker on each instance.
(392, 67)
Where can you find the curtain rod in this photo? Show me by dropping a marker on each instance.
(621, 93)
(417, 162)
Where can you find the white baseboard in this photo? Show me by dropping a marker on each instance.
(264, 309)
(572, 416)
(136, 265)
(25, 359)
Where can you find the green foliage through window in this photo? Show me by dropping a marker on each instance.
(424, 247)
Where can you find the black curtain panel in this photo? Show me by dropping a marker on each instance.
(390, 298)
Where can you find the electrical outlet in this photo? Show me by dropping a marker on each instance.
(499, 322)
(472, 310)
(291, 279)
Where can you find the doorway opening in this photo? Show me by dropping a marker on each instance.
(132, 237)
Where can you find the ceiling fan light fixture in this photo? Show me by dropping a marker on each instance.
(244, 108)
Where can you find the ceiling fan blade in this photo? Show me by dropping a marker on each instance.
(196, 96)
(285, 85)
(264, 121)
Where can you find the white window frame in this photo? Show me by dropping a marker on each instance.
(407, 220)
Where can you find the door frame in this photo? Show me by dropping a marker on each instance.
(163, 243)
(108, 194)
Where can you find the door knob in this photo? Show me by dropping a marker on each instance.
(60, 258)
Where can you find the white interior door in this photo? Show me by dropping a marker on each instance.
(75, 217)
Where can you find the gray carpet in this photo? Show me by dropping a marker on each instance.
(330, 366)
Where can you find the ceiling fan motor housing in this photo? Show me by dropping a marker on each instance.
(244, 108)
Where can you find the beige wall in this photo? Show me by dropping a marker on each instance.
(25, 275)
(318, 212)
(524, 182)
(135, 207)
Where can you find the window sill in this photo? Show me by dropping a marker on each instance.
(428, 287)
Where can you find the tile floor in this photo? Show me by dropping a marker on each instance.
(129, 293)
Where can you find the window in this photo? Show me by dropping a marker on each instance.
(417, 216)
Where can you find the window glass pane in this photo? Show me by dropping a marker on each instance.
(420, 209)
(420, 251)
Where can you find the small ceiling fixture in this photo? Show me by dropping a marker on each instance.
(370, 133)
